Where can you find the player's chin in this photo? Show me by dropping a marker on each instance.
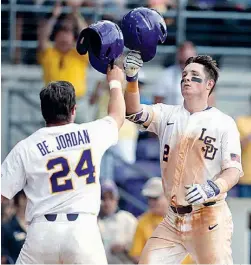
(186, 92)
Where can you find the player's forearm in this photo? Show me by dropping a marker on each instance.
(132, 98)
(228, 179)
(116, 106)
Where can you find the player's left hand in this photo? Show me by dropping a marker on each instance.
(199, 193)
(132, 65)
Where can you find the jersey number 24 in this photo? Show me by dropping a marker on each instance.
(83, 168)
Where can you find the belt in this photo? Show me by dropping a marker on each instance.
(188, 208)
(53, 217)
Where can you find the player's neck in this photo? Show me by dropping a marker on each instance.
(193, 105)
(57, 124)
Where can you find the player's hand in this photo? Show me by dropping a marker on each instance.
(199, 193)
(115, 74)
(132, 64)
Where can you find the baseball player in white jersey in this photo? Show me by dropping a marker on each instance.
(200, 161)
(58, 168)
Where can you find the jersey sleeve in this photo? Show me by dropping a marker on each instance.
(231, 147)
(105, 133)
(13, 177)
(161, 115)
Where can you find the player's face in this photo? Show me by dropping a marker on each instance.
(109, 203)
(64, 41)
(194, 81)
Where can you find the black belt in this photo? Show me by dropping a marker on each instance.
(188, 208)
(53, 217)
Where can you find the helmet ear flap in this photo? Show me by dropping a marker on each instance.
(83, 43)
(95, 42)
(104, 43)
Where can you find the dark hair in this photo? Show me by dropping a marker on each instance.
(210, 66)
(57, 101)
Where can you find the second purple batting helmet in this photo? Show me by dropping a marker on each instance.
(104, 43)
(143, 28)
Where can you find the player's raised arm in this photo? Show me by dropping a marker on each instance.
(116, 106)
(135, 112)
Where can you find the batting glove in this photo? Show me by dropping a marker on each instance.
(132, 64)
(199, 193)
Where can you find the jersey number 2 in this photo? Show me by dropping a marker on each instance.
(166, 152)
(61, 181)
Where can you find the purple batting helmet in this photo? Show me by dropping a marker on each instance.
(104, 43)
(143, 28)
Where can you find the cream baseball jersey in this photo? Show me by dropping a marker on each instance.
(193, 147)
(58, 167)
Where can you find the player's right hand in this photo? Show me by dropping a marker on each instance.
(115, 74)
(132, 64)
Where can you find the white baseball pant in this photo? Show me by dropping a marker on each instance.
(205, 233)
(63, 241)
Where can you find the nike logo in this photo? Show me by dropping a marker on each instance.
(170, 123)
(212, 227)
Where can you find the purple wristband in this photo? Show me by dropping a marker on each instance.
(132, 79)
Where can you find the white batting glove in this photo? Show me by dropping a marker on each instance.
(199, 193)
(132, 64)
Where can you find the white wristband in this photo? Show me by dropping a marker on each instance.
(115, 84)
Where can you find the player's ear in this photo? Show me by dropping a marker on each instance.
(210, 84)
(73, 110)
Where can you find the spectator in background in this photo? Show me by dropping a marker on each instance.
(115, 9)
(7, 210)
(61, 61)
(26, 28)
(128, 134)
(168, 88)
(117, 227)
(244, 126)
(158, 205)
(14, 231)
(162, 5)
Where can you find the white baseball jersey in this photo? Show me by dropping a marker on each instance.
(58, 167)
(193, 147)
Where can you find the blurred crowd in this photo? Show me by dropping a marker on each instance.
(124, 230)
(30, 14)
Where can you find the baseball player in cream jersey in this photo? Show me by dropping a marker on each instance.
(200, 161)
(58, 168)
